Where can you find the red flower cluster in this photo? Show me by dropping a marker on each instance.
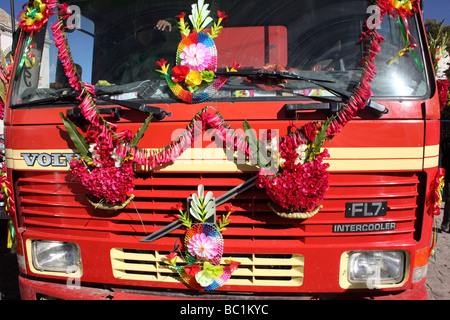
(443, 85)
(297, 187)
(109, 183)
(109, 178)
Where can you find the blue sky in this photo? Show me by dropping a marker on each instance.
(437, 9)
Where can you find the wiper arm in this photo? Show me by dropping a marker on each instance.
(66, 97)
(158, 113)
(377, 109)
(290, 76)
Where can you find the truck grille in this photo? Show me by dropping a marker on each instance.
(255, 269)
(54, 200)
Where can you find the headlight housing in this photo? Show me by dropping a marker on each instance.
(55, 256)
(376, 267)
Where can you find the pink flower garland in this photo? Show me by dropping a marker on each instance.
(205, 119)
(364, 91)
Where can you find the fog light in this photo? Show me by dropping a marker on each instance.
(56, 256)
(376, 267)
(419, 273)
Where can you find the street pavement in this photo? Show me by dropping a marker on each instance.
(438, 276)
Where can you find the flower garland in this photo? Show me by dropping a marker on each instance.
(203, 244)
(203, 120)
(196, 60)
(362, 93)
(196, 64)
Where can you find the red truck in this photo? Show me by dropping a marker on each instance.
(343, 90)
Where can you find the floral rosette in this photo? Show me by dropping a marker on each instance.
(302, 180)
(193, 78)
(203, 244)
(35, 14)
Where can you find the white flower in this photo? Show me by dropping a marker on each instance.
(301, 151)
(117, 159)
(204, 278)
(443, 65)
(272, 146)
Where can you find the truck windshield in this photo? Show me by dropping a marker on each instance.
(115, 45)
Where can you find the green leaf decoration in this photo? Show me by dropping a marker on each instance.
(185, 220)
(138, 136)
(319, 141)
(77, 138)
(254, 144)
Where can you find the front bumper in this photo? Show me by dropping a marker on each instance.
(32, 289)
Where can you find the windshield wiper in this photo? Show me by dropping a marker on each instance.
(73, 97)
(289, 76)
(159, 113)
(377, 109)
(66, 97)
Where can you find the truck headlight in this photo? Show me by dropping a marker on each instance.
(55, 256)
(376, 267)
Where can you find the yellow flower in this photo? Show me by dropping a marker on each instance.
(404, 4)
(193, 79)
(207, 76)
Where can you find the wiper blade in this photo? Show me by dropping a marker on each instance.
(73, 96)
(377, 109)
(159, 113)
(289, 76)
(66, 97)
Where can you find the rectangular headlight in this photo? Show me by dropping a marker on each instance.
(376, 267)
(55, 256)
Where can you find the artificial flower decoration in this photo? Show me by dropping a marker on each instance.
(107, 176)
(193, 79)
(35, 14)
(300, 183)
(402, 10)
(438, 187)
(179, 73)
(196, 51)
(196, 56)
(203, 245)
(403, 4)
